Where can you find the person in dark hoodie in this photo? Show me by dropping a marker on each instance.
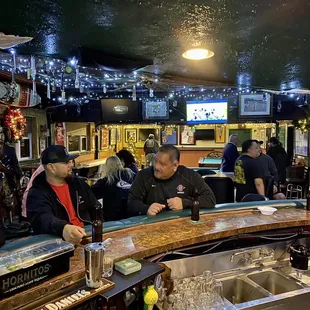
(279, 156)
(168, 185)
(114, 188)
(59, 203)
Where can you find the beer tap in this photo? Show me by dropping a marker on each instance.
(195, 217)
(97, 224)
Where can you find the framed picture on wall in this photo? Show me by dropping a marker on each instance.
(131, 134)
(118, 134)
(113, 136)
(169, 135)
(42, 144)
(220, 134)
(187, 135)
(104, 138)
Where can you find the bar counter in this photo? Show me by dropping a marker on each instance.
(150, 239)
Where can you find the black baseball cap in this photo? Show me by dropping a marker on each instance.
(56, 154)
(260, 142)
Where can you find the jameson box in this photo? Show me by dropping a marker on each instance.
(29, 261)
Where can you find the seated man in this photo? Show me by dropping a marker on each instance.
(249, 175)
(59, 203)
(167, 185)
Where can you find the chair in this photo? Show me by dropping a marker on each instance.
(269, 184)
(223, 189)
(297, 179)
(203, 172)
(253, 197)
(215, 155)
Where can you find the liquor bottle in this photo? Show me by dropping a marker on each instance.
(97, 225)
(308, 200)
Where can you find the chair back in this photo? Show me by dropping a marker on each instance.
(215, 155)
(205, 171)
(253, 197)
(223, 189)
(269, 183)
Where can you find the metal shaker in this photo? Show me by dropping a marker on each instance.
(94, 253)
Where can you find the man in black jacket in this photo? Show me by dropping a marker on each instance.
(167, 185)
(59, 203)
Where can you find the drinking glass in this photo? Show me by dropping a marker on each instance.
(107, 267)
(218, 295)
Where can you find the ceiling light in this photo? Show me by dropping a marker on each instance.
(198, 54)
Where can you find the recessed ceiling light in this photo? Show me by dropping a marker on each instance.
(198, 54)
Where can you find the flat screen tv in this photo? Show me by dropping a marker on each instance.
(119, 110)
(257, 105)
(155, 110)
(205, 134)
(206, 112)
(145, 132)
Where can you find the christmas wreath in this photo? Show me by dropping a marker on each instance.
(15, 121)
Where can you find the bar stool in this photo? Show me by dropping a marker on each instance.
(297, 179)
(294, 191)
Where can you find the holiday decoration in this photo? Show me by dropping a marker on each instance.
(15, 121)
(302, 124)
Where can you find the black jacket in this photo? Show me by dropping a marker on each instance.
(146, 189)
(48, 215)
(280, 158)
(114, 196)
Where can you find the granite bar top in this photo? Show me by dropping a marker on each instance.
(148, 240)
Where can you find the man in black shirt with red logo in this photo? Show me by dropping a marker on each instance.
(249, 175)
(167, 185)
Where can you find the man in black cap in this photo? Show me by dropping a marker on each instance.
(59, 203)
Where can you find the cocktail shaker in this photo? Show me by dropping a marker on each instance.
(94, 253)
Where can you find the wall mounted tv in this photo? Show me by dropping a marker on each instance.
(255, 105)
(120, 110)
(155, 110)
(206, 112)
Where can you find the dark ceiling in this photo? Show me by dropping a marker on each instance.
(259, 43)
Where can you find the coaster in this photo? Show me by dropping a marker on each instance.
(196, 222)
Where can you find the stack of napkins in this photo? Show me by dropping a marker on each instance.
(128, 266)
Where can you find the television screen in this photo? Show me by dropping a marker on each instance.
(204, 134)
(155, 110)
(206, 112)
(145, 132)
(258, 105)
(119, 110)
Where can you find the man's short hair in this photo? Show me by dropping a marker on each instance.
(247, 144)
(174, 153)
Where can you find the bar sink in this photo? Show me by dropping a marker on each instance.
(274, 282)
(238, 291)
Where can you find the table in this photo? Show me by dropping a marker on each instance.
(210, 162)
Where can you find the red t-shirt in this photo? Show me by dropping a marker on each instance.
(63, 195)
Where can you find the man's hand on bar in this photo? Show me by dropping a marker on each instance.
(155, 208)
(175, 203)
(73, 234)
